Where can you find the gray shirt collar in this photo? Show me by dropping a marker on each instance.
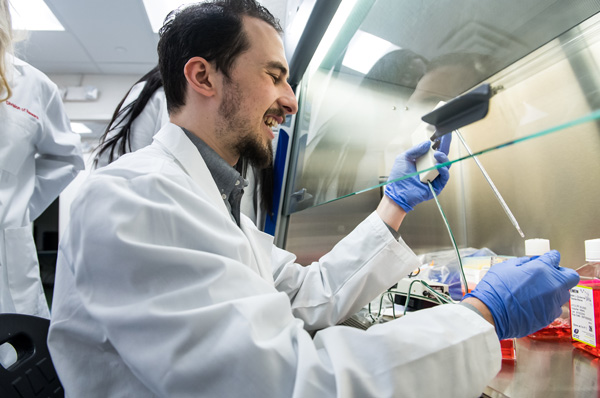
(229, 181)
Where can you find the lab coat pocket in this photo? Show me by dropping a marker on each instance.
(15, 140)
(24, 282)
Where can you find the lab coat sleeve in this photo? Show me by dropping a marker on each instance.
(58, 158)
(360, 267)
(465, 357)
(188, 320)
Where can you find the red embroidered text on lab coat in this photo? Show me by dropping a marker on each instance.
(22, 109)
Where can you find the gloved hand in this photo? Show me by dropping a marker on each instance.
(409, 192)
(525, 295)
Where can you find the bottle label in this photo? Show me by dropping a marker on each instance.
(582, 315)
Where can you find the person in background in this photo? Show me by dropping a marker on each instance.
(39, 157)
(163, 289)
(141, 114)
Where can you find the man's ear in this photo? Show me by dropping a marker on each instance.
(200, 76)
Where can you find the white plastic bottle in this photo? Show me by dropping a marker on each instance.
(536, 247)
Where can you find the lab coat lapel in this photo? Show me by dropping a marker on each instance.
(179, 145)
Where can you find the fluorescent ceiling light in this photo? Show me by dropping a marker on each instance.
(364, 50)
(25, 18)
(80, 128)
(158, 10)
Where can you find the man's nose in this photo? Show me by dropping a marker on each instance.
(288, 101)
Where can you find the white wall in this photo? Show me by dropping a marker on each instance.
(111, 89)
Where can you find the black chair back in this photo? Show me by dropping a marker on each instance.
(33, 374)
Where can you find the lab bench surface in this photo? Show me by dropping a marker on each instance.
(548, 369)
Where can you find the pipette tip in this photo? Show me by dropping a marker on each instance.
(520, 232)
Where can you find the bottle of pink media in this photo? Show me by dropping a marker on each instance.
(508, 348)
(585, 302)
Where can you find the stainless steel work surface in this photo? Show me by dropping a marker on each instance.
(548, 369)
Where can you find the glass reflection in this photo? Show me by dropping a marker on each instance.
(359, 107)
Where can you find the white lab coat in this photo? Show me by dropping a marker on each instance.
(39, 157)
(160, 294)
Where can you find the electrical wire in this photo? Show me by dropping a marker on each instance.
(436, 294)
(439, 299)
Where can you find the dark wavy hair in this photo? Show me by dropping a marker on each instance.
(212, 30)
(123, 118)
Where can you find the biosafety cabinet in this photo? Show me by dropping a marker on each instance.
(366, 71)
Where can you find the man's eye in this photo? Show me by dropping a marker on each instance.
(275, 77)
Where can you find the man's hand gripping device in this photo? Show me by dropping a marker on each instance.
(445, 118)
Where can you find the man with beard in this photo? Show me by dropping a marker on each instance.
(163, 289)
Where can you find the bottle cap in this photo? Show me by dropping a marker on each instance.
(592, 250)
(536, 247)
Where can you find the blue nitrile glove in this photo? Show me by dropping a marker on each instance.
(443, 143)
(525, 295)
(409, 192)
